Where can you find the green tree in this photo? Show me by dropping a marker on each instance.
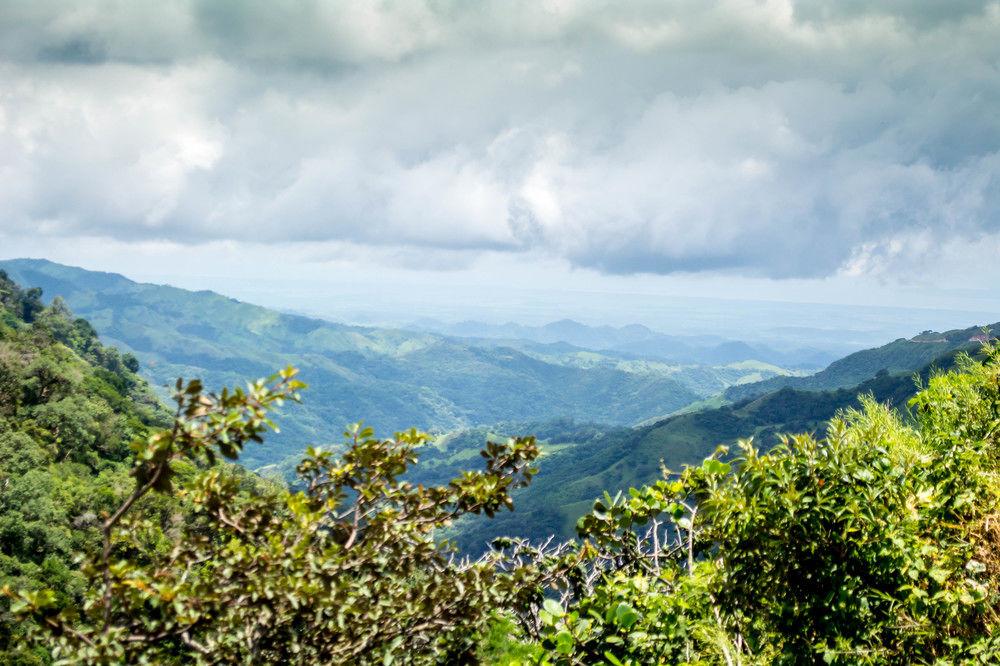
(65, 424)
(874, 544)
(346, 570)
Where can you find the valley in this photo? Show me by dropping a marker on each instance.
(392, 379)
(606, 416)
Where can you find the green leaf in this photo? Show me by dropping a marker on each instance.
(625, 616)
(939, 575)
(553, 607)
(612, 659)
(564, 642)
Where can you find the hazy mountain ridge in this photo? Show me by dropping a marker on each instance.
(393, 379)
(902, 355)
(636, 340)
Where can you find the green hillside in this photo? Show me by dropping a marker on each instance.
(69, 407)
(583, 461)
(903, 355)
(635, 340)
(73, 412)
(393, 379)
(705, 380)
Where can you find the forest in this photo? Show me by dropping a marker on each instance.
(130, 536)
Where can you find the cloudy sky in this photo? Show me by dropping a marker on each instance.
(841, 151)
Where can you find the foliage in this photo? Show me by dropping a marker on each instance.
(581, 461)
(346, 570)
(68, 408)
(875, 544)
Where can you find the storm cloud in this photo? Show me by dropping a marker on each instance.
(776, 139)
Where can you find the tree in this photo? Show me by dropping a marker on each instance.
(875, 544)
(348, 569)
(65, 425)
(31, 304)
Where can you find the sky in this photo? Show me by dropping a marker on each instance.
(512, 160)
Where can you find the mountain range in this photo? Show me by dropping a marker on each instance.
(582, 461)
(902, 355)
(582, 403)
(635, 340)
(392, 379)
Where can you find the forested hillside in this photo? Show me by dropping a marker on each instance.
(903, 355)
(393, 379)
(873, 541)
(582, 461)
(69, 407)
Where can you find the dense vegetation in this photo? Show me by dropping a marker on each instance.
(875, 542)
(68, 409)
(580, 461)
(396, 379)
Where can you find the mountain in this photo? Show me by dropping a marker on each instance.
(636, 340)
(564, 330)
(390, 378)
(396, 379)
(902, 355)
(581, 461)
(705, 380)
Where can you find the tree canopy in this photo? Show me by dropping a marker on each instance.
(875, 541)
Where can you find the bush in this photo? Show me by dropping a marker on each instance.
(875, 544)
(346, 570)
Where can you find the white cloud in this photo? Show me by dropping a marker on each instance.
(766, 138)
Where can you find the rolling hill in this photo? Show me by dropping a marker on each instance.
(636, 340)
(902, 355)
(390, 378)
(582, 461)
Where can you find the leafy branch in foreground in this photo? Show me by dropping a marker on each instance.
(346, 570)
(876, 544)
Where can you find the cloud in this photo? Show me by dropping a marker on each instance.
(770, 138)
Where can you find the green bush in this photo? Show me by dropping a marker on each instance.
(875, 544)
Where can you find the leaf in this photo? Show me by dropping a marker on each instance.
(564, 642)
(715, 467)
(938, 574)
(625, 616)
(553, 607)
(612, 659)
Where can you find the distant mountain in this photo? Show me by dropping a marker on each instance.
(705, 380)
(392, 379)
(564, 330)
(670, 348)
(903, 355)
(636, 340)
